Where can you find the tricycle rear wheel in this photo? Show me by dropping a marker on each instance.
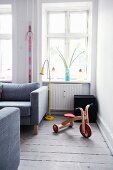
(55, 128)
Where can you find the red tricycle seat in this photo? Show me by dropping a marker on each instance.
(69, 115)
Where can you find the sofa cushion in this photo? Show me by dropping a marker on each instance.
(22, 105)
(0, 91)
(18, 92)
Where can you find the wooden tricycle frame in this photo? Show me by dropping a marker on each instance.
(85, 129)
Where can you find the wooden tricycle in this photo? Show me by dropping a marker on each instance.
(85, 129)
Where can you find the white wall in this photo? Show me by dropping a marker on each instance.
(105, 68)
(25, 11)
(6, 1)
(30, 11)
(19, 42)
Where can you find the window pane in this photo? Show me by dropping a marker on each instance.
(6, 59)
(71, 25)
(80, 63)
(56, 23)
(5, 24)
(78, 22)
(55, 60)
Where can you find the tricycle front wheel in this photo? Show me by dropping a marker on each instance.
(87, 133)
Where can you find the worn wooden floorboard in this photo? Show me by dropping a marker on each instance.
(65, 150)
(40, 165)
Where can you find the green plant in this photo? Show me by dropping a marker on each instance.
(72, 59)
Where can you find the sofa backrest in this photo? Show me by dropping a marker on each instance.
(18, 92)
(0, 91)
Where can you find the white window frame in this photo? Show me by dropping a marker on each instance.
(5, 11)
(68, 8)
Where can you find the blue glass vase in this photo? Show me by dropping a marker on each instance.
(67, 74)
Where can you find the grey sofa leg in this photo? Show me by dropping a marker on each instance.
(35, 129)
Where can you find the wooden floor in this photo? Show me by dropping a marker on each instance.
(67, 150)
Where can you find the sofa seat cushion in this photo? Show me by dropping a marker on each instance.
(22, 105)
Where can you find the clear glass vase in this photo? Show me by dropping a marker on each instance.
(67, 74)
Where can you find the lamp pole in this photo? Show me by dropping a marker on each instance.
(49, 97)
(49, 90)
(49, 116)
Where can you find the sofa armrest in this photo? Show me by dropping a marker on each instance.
(39, 104)
(9, 138)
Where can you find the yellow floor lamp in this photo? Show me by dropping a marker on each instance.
(48, 116)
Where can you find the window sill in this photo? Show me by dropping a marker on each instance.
(67, 82)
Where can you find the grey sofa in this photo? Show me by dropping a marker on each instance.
(29, 97)
(9, 138)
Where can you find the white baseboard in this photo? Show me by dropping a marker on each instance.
(107, 134)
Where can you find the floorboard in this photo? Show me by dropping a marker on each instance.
(65, 150)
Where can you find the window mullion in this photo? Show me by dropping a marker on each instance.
(5, 36)
(67, 35)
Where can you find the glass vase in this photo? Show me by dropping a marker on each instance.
(67, 74)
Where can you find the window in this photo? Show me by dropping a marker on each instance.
(66, 37)
(5, 43)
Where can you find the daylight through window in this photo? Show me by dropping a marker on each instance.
(66, 43)
(5, 43)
